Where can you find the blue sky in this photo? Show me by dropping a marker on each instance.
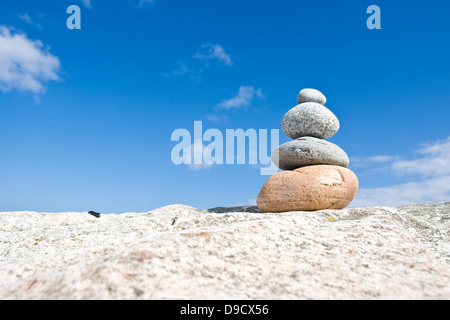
(86, 116)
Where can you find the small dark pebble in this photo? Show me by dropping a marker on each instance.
(95, 214)
(138, 292)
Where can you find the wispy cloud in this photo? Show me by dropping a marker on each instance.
(142, 3)
(215, 118)
(25, 64)
(243, 98)
(431, 169)
(201, 61)
(434, 160)
(183, 69)
(195, 152)
(430, 190)
(87, 3)
(26, 17)
(211, 51)
(370, 160)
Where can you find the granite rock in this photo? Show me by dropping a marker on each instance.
(308, 189)
(179, 252)
(311, 95)
(308, 151)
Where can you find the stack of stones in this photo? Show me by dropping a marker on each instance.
(315, 174)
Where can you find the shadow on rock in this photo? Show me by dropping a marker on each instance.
(253, 209)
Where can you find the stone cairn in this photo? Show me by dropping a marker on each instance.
(315, 174)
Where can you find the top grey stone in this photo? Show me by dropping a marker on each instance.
(311, 95)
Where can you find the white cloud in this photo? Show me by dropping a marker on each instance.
(435, 160)
(242, 98)
(25, 64)
(198, 64)
(137, 3)
(433, 166)
(215, 117)
(25, 17)
(141, 3)
(191, 72)
(214, 51)
(182, 70)
(87, 3)
(195, 151)
(430, 190)
(370, 160)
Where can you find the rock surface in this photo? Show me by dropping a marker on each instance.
(179, 252)
(307, 189)
(308, 151)
(311, 95)
(309, 119)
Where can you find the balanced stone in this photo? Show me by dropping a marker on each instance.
(309, 119)
(311, 95)
(307, 151)
(308, 189)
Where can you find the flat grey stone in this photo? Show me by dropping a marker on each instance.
(308, 151)
(311, 95)
(310, 119)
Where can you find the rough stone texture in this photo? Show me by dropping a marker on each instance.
(308, 151)
(307, 189)
(311, 95)
(309, 119)
(179, 252)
